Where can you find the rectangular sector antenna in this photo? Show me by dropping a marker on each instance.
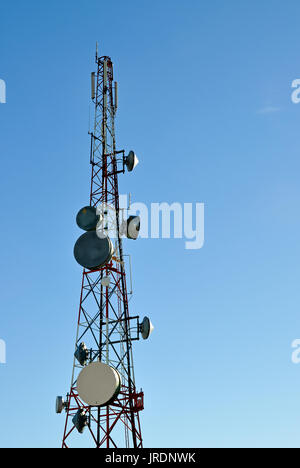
(116, 96)
(93, 85)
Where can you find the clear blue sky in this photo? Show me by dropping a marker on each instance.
(204, 99)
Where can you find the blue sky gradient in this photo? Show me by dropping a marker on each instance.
(205, 101)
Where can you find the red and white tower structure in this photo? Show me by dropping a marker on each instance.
(105, 329)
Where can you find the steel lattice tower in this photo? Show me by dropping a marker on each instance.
(104, 322)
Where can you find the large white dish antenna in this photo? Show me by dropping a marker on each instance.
(98, 384)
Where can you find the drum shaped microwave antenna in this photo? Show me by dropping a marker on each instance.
(146, 328)
(131, 227)
(98, 384)
(131, 161)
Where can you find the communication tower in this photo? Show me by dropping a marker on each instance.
(103, 401)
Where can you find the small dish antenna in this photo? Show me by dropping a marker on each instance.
(146, 328)
(87, 218)
(131, 161)
(131, 227)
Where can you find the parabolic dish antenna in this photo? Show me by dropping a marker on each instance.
(87, 218)
(131, 161)
(146, 328)
(91, 251)
(133, 227)
(98, 384)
